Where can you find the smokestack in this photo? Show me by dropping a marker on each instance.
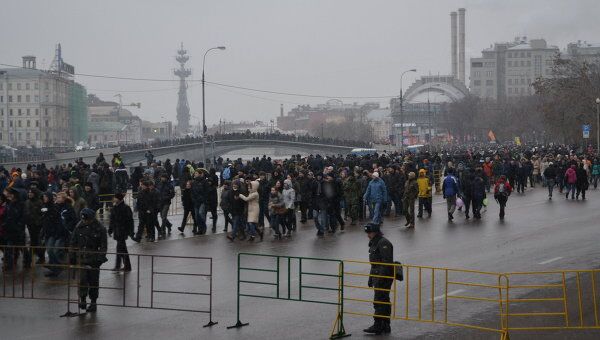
(453, 38)
(461, 44)
(281, 109)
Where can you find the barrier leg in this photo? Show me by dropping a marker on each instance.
(338, 331)
(69, 314)
(504, 335)
(239, 323)
(210, 320)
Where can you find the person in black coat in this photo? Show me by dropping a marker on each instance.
(14, 227)
(120, 228)
(58, 222)
(188, 207)
(582, 183)
(466, 190)
(479, 190)
(147, 204)
(212, 201)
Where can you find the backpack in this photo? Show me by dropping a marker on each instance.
(227, 173)
(501, 188)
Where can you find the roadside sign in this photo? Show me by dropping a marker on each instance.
(586, 131)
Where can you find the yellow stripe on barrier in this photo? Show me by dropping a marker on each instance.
(369, 301)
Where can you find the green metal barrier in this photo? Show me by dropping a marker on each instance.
(338, 330)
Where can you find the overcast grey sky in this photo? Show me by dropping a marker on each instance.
(321, 47)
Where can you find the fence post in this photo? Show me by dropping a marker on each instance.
(210, 321)
(339, 320)
(239, 323)
(69, 314)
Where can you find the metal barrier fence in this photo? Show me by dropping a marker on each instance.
(258, 281)
(551, 300)
(429, 295)
(149, 284)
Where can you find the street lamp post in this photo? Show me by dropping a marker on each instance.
(598, 125)
(402, 110)
(204, 102)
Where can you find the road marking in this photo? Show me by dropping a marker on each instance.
(454, 292)
(551, 260)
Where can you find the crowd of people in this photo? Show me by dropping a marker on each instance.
(41, 207)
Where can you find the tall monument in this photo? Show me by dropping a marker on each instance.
(183, 108)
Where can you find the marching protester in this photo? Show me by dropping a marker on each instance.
(411, 192)
(502, 190)
(121, 227)
(450, 190)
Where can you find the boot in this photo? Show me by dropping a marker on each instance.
(92, 307)
(127, 263)
(117, 266)
(375, 329)
(82, 303)
(386, 327)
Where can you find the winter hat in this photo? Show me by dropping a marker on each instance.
(376, 174)
(87, 214)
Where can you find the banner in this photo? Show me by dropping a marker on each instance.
(491, 136)
(518, 141)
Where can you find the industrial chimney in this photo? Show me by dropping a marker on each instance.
(453, 39)
(461, 44)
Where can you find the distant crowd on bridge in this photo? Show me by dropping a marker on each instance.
(41, 205)
(247, 136)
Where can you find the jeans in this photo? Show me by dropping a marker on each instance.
(164, 212)
(375, 211)
(200, 212)
(263, 207)
(550, 185)
(424, 204)
(396, 199)
(56, 254)
(236, 223)
(274, 222)
(322, 221)
(571, 189)
(451, 203)
(252, 229)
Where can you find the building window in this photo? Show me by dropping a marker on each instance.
(522, 62)
(489, 73)
(522, 54)
(37, 123)
(27, 98)
(477, 74)
(509, 55)
(10, 111)
(46, 111)
(20, 136)
(28, 136)
(36, 86)
(37, 112)
(18, 86)
(489, 82)
(19, 123)
(1, 86)
(46, 86)
(18, 98)
(28, 123)
(27, 86)
(510, 90)
(37, 136)
(529, 63)
(1, 99)
(10, 99)
(9, 86)
(2, 112)
(36, 99)
(10, 124)
(19, 112)
(476, 82)
(46, 123)
(28, 112)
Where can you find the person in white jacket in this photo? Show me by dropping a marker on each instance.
(289, 197)
(253, 210)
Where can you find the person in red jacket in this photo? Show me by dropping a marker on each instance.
(571, 180)
(502, 190)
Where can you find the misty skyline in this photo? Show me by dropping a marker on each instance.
(326, 48)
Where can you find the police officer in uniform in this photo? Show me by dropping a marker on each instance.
(381, 251)
(90, 241)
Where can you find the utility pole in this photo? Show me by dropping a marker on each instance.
(402, 110)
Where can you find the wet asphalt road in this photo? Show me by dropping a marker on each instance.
(537, 234)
